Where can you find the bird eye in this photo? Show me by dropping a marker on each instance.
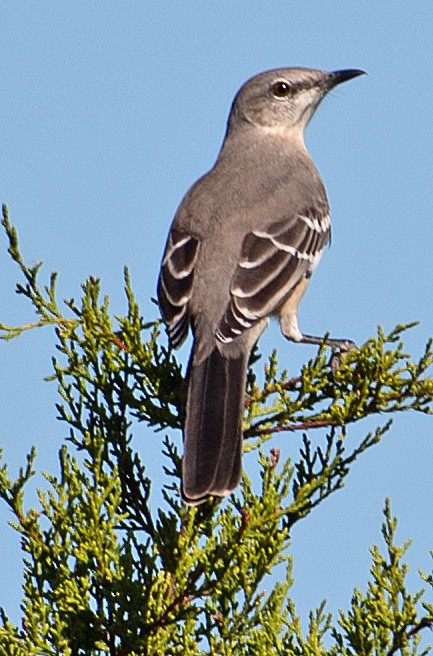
(281, 89)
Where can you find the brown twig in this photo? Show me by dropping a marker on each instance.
(423, 624)
(252, 431)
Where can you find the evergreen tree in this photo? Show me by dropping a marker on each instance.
(108, 573)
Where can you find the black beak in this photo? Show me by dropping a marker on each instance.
(337, 77)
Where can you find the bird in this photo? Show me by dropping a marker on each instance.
(242, 247)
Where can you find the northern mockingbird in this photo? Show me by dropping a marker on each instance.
(242, 247)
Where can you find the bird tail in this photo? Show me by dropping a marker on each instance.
(212, 462)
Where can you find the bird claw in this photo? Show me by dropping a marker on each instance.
(339, 351)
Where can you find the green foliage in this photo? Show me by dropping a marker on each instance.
(108, 572)
(385, 620)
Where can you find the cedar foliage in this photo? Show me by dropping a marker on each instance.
(108, 573)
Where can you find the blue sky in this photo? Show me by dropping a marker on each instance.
(110, 110)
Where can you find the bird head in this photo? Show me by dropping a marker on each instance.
(283, 100)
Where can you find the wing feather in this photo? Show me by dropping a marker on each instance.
(175, 284)
(271, 264)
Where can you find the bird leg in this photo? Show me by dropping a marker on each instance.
(343, 345)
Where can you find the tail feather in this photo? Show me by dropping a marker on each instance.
(212, 461)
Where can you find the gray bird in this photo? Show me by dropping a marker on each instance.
(242, 247)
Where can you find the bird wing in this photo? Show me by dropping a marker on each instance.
(271, 264)
(175, 283)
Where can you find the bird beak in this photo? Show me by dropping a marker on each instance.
(337, 77)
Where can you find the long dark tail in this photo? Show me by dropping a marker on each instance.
(212, 460)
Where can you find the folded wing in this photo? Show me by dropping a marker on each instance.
(272, 263)
(175, 284)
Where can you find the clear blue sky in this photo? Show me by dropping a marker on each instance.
(110, 110)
